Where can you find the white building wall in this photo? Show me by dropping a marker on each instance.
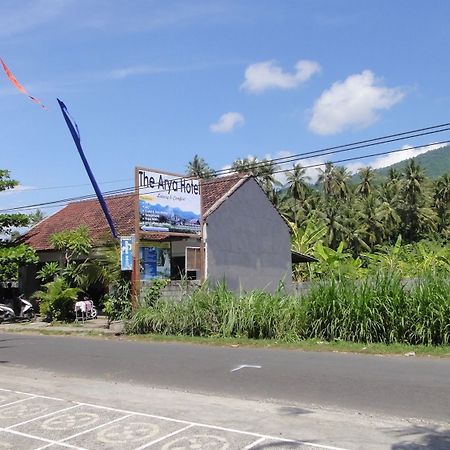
(248, 243)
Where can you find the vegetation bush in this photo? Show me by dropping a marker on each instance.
(380, 308)
(57, 301)
(117, 305)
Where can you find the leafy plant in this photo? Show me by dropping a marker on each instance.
(117, 305)
(153, 292)
(49, 271)
(57, 301)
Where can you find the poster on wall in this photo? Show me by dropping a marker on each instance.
(126, 252)
(154, 260)
(168, 203)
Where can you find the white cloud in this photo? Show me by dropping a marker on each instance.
(352, 103)
(227, 122)
(266, 75)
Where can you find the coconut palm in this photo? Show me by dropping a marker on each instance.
(365, 186)
(326, 178)
(199, 168)
(417, 217)
(442, 201)
(297, 182)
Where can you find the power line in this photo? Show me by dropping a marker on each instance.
(419, 132)
(127, 191)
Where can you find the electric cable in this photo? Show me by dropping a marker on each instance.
(128, 191)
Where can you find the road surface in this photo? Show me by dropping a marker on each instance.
(340, 400)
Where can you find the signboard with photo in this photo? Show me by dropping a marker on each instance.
(154, 260)
(168, 203)
(126, 252)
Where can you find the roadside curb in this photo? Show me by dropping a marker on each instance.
(97, 326)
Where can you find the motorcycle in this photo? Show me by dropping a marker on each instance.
(6, 312)
(26, 311)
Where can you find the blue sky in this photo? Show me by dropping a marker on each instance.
(151, 83)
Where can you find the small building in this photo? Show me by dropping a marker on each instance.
(243, 242)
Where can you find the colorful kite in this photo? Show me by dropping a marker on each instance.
(19, 86)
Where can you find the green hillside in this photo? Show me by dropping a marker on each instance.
(435, 163)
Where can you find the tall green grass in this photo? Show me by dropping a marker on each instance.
(377, 309)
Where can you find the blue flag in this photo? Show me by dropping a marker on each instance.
(75, 132)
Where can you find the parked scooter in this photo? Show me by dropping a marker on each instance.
(6, 312)
(26, 311)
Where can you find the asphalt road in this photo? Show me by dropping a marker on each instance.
(395, 386)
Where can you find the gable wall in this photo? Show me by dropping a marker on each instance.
(247, 242)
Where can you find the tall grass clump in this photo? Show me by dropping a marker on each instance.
(428, 320)
(220, 312)
(356, 310)
(382, 308)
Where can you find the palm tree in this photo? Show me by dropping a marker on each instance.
(341, 186)
(365, 186)
(370, 227)
(246, 165)
(36, 217)
(417, 216)
(199, 168)
(265, 171)
(297, 182)
(326, 178)
(442, 200)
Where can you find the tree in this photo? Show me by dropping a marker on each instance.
(417, 216)
(199, 168)
(442, 201)
(264, 171)
(326, 178)
(365, 186)
(297, 182)
(36, 217)
(12, 256)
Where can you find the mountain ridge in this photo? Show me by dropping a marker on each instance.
(434, 162)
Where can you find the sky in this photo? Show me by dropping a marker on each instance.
(151, 83)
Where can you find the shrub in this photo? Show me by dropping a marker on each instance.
(117, 305)
(57, 301)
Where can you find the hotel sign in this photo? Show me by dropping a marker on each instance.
(168, 203)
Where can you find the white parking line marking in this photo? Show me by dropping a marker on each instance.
(164, 437)
(244, 366)
(169, 419)
(254, 444)
(33, 395)
(63, 444)
(42, 417)
(95, 428)
(17, 401)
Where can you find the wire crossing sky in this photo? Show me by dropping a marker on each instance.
(154, 84)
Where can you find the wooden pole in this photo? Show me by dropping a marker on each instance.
(135, 275)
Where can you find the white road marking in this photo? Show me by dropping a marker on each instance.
(17, 401)
(255, 443)
(49, 441)
(164, 437)
(169, 419)
(244, 366)
(41, 417)
(94, 428)
(33, 395)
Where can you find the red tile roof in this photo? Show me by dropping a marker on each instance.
(85, 213)
(216, 190)
(88, 213)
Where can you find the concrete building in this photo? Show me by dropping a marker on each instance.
(244, 241)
